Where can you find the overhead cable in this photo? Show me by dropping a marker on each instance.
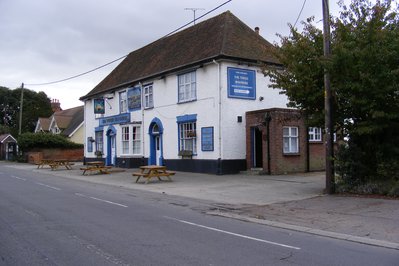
(122, 57)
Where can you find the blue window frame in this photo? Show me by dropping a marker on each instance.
(187, 133)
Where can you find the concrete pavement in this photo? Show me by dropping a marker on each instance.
(294, 202)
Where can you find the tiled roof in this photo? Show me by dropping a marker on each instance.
(44, 123)
(64, 118)
(223, 36)
(5, 137)
(74, 123)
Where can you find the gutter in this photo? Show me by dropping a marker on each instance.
(176, 69)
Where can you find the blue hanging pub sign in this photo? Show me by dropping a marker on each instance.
(99, 107)
(241, 83)
(116, 119)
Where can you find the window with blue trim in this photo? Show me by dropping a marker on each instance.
(187, 129)
(187, 87)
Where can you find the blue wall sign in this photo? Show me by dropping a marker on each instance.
(116, 119)
(241, 83)
(207, 138)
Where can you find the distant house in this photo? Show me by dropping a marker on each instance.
(8, 147)
(67, 122)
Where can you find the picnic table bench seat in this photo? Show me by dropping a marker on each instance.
(153, 171)
(100, 169)
(55, 165)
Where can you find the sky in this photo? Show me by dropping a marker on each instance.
(43, 41)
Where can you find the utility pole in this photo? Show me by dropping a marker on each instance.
(194, 9)
(330, 182)
(21, 105)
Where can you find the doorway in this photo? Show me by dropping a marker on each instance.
(111, 146)
(156, 147)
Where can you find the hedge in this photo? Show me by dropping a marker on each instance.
(30, 141)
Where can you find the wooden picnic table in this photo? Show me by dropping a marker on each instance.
(55, 163)
(96, 166)
(149, 171)
(43, 163)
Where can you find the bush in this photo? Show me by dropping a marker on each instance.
(385, 188)
(364, 167)
(394, 192)
(29, 141)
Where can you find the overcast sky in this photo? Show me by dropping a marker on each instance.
(48, 40)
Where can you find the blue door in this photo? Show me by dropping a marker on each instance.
(156, 150)
(111, 146)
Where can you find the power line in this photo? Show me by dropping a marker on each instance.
(300, 13)
(122, 57)
(81, 74)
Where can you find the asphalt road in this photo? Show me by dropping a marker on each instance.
(48, 220)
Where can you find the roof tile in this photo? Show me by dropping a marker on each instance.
(223, 36)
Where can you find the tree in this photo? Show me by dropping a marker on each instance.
(36, 104)
(364, 69)
(301, 78)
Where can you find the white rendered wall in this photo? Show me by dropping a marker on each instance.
(206, 107)
(233, 133)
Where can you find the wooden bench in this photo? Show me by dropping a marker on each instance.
(56, 164)
(44, 162)
(153, 171)
(98, 169)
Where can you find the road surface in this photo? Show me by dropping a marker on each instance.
(48, 220)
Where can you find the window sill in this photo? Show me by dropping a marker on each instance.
(187, 101)
(148, 108)
(316, 141)
(292, 154)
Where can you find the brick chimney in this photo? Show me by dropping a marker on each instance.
(257, 30)
(55, 105)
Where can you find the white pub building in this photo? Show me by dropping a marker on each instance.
(181, 100)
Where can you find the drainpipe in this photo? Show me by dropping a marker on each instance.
(219, 164)
(142, 123)
(268, 118)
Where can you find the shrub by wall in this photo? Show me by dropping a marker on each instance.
(31, 141)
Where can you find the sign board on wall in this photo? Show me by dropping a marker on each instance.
(116, 119)
(241, 83)
(207, 138)
(134, 98)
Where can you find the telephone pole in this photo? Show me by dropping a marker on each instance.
(330, 182)
(21, 105)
